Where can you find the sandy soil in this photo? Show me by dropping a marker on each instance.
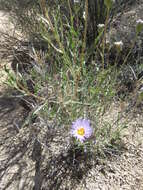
(14, 165)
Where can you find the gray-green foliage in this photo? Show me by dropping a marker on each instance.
(69, 85)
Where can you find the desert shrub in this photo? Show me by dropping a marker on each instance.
(67, 86)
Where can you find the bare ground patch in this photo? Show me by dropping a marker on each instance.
(26, 164)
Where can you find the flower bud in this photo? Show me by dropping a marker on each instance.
(139, 26)
(119, 45)
(84, 15)
(109, 3)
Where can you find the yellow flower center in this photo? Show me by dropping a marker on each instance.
(81, 131)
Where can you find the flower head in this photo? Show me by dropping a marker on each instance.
(81, 129)
(140, 21)
(100, 25)
(76, 1)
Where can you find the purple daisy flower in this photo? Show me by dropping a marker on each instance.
(81, 129)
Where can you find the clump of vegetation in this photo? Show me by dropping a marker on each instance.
(67, 83)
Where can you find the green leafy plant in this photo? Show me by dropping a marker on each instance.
(67, 86)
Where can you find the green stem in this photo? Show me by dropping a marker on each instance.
(85, 33)
(104, 37)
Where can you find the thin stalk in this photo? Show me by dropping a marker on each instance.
(104, 37)
(28, 92)
(85, 33)
(82, 56)
(43, 7)
(71, 16)
(57, 38)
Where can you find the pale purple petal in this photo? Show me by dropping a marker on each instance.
(81, 123)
